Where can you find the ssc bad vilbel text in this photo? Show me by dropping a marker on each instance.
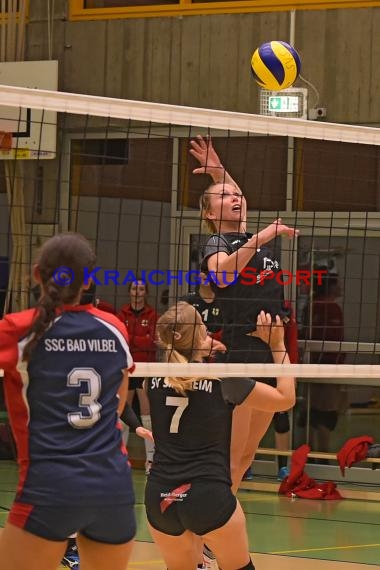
(80, 345)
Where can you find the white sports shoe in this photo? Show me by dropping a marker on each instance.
(209, 563)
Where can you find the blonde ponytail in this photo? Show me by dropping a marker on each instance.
(179, 331)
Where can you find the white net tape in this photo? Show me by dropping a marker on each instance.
(314, 372)
(189, 116)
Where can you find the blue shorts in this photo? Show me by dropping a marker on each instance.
(114, 524)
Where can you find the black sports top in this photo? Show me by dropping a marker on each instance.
(192, 433)
(210, 312)
(251, 292)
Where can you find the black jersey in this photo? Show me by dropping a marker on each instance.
(250, 293)
(210, 312)
(192, 433)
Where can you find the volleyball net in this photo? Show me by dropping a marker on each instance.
(120, 173)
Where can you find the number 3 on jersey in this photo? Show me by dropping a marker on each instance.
(181, 405)
(87, 400)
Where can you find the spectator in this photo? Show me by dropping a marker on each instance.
(140, 319)
(325, 323)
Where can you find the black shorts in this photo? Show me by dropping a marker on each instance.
(249, 350)
(135, 383)
(325, 418)
(114, 524)
(200, 506)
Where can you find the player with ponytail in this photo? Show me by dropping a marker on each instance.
(188, 494)
(66, 379)
(228, 253)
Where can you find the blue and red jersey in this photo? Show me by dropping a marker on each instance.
(63, 405)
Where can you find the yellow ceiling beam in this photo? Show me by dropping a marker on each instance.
(187, 8)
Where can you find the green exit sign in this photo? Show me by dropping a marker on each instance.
(283, 104)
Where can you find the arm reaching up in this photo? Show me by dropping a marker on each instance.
(203, 150)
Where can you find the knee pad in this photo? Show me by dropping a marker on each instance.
(281, 422)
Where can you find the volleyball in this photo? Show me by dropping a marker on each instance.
(275, 65)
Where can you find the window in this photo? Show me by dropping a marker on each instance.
(139, 168)
(337, 177)
(14, 8)
(101, 151)
(352, 264)
(257, 164)
(124, 3)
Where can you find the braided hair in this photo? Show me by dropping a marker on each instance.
(61, 263)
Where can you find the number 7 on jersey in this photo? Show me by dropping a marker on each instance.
(181, 405)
